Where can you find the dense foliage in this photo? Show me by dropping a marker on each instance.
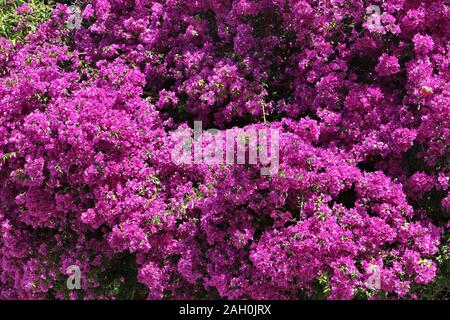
(87, 179)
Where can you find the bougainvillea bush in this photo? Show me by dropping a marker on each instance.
(362, 104)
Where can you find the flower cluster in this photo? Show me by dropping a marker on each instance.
(87, 178)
